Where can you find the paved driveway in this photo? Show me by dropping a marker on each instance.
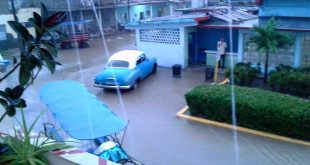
(155, 136)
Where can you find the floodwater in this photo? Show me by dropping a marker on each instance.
(157, 137)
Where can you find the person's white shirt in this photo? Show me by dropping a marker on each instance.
(221, 47)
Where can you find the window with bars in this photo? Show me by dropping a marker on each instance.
(161, 35)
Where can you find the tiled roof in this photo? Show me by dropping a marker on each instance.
(214, 15)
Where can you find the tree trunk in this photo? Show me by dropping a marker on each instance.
(266, 67)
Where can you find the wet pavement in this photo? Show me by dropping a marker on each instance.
(155, 136)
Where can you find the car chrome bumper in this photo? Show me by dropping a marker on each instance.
(112, 86)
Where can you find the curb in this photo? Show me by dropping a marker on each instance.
(181, 114)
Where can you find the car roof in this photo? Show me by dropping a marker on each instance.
(127, 55)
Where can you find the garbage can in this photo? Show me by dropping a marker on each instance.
(209, 73)
(176, 70)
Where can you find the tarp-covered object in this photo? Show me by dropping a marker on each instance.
(79, 112)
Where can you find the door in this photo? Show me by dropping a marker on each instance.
(141, 15)
(142, 66)
(192, 48)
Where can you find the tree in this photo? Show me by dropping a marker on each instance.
(268, 40)
(36, 52)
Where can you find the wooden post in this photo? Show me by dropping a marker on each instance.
(216, 70)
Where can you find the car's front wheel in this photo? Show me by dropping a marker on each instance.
(154, 68)
(135, 85)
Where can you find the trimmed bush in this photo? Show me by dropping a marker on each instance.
(295, 81)
(244, 74)
(256, 109)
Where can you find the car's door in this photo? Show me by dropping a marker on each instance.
(150, 64)
(142, 66)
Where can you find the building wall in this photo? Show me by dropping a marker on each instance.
(23, 15)
(162, 9)
(208, 38)
(296, 8)
(136, 10)
(149, 11)
(304, 50)
(167, 44)
(120, 12)
(297, 55)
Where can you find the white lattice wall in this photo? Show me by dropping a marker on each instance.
(161, 35)
(167, 44)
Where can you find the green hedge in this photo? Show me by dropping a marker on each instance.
(244, 73)
(256, 109)
(294, 81)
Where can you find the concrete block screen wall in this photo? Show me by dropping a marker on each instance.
(165, 43)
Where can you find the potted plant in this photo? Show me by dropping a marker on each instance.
(36, 51)
(25, 149)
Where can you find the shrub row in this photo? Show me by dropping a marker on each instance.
(295, 81)
(256, 109)
(244, 73)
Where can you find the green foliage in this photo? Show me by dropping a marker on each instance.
(295, 81)
(36, 52)
(10, 99)
(267, 39)
(244, 73)
(26, 150)
(256, 109)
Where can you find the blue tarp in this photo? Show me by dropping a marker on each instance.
(79, 112)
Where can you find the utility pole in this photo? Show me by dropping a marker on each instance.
(14, 11)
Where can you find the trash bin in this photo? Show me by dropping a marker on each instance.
(209, 73)
(176, 70)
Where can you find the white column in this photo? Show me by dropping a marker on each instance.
(240, 46)
(137, 42)
(170, 8)
(100, 17)
(116, 20)
(81, 15)
(151, 11)
(297, 55)
(182, 52)
(185, 46)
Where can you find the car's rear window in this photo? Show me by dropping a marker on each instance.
(118, 63)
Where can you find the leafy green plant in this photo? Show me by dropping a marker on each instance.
(255, 108)
(294, 81)
(25, 150)
(267, 39)
(36, 52)
(244, 73)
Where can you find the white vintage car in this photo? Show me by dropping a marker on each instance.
(125, 69)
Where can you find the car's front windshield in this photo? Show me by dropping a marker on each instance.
(118, 64)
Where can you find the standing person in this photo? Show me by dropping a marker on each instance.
(221, 50)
